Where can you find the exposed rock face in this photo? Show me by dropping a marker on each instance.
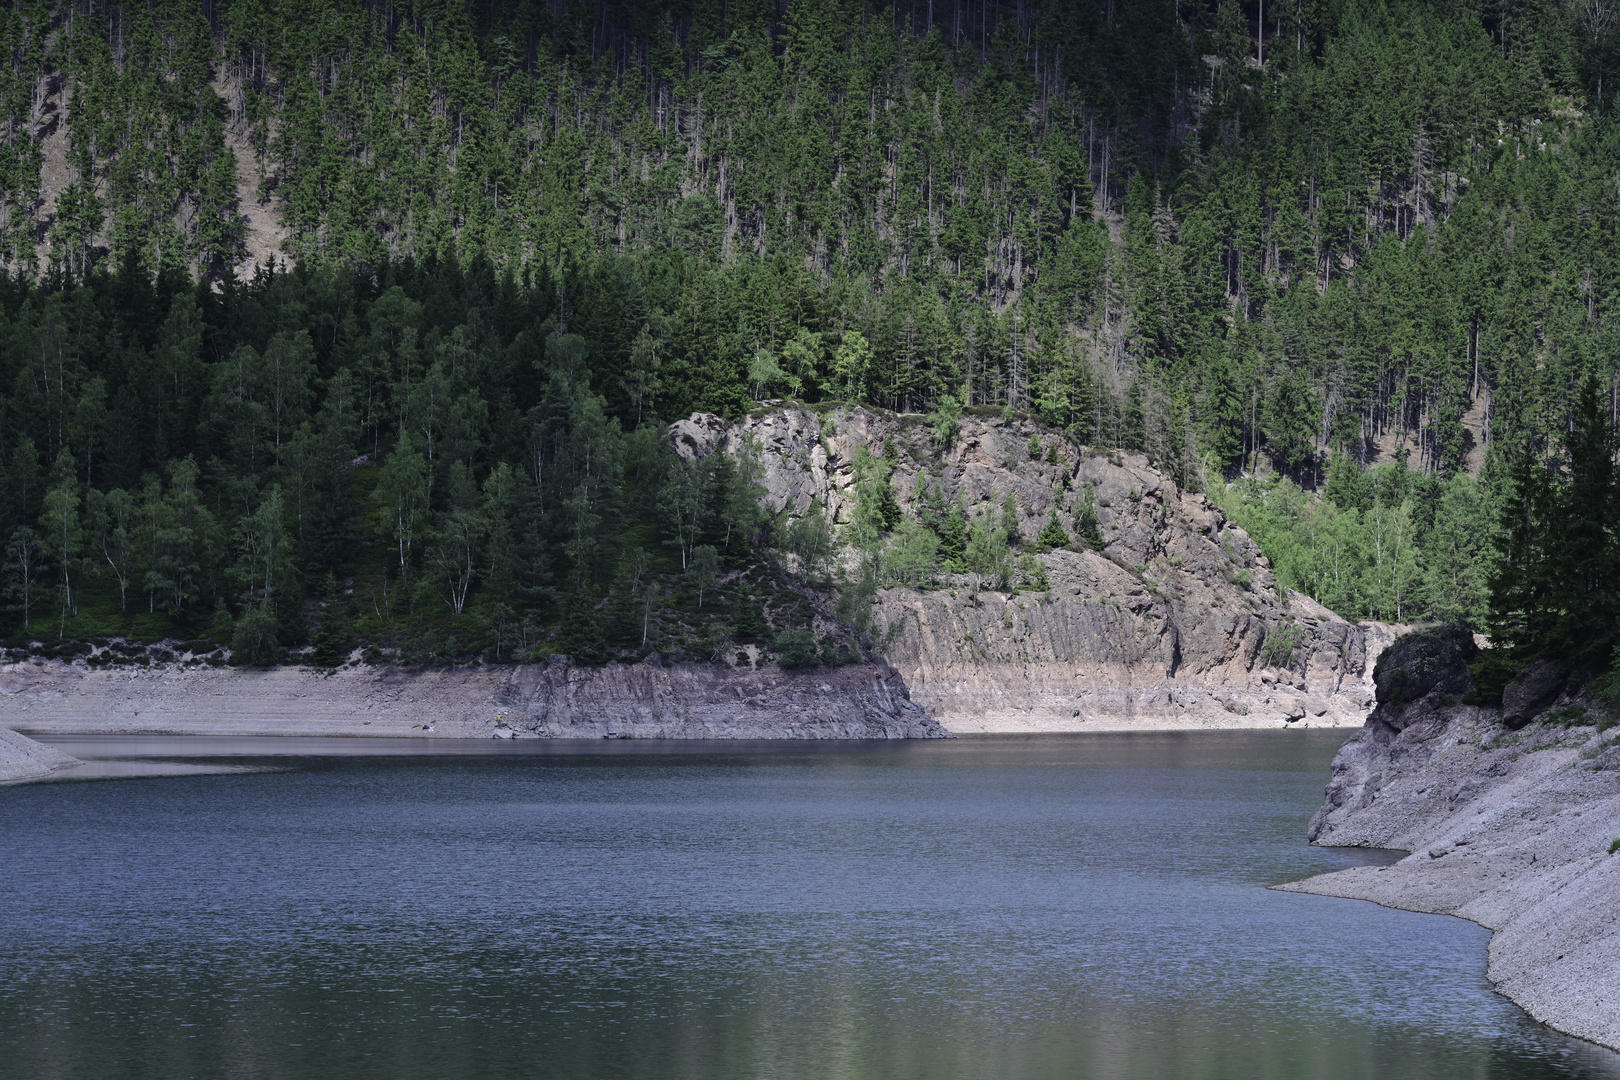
(1509, 829)
(705, 701)
(641, 701)
(22, 758)
(1538, 687)
(1165, 626)
(1431, 665)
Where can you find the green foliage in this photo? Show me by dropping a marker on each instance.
(1087, 529)
(796, 648)
(1554, 583)
(518, 239)
(704, 567)
(1053, 534)
(1404, 555)
(988, 556)
(1492, 672)
(942, 421)
(809, 540)
(1569, 716)
(1280, 644)
(580, 636)
(334, 633)
(1032, 573)
(953, 537)
(255, 640)
(912, 558)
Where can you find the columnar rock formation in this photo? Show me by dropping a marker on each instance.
(1165, 626)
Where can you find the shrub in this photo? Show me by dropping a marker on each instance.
(1492, 671)
(796, 647)
(1086, 527)
(1569, 716)
(255, 641)
(1278, 650)
(1053, 535)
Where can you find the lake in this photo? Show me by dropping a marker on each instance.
(1010, 907)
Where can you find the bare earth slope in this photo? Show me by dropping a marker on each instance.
(1508, 829)
(1163, 628)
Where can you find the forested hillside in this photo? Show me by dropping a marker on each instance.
(296, 281)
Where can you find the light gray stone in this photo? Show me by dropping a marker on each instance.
(1509, 829)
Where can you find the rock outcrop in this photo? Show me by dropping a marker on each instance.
(1511, 829)
(22, 758)
(652, 700)
(1166, 626)
(557, 700)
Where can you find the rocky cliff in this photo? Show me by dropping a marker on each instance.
(650, 700)
(1510, 822)
(1165, 626)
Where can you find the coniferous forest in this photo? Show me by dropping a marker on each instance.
(358, 324)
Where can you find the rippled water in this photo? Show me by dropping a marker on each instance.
(1082, 906)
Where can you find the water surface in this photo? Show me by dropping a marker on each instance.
(1075, 906)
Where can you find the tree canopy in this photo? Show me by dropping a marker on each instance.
(285, 274)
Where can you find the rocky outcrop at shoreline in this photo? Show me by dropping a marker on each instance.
(1512, 829)
(650, 700)
(1165, 627)
(653, 700)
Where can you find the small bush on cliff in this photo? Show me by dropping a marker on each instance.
(1494, 669)
(1278, 650)
(796, 647)
(1053, 534)
(942, 421)
(835, 653)
(1087, 529)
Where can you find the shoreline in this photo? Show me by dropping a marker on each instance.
(248, 728)
(651, 699)
(1510, 831)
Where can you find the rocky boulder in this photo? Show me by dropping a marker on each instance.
(1536, 688)
(1431, 662)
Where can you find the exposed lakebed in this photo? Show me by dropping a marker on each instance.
(1063, 906)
